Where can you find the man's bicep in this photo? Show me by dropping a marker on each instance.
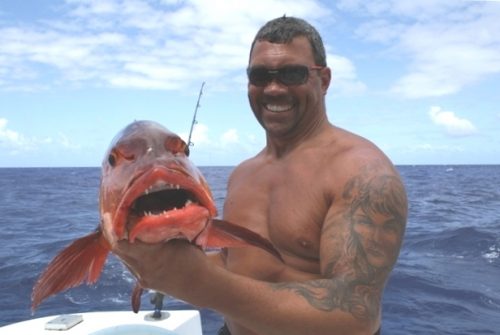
(361, 239)
(365, 225)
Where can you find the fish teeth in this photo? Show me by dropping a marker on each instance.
(164, 212)
(160, 187)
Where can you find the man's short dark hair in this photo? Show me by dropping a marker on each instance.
(284, 29)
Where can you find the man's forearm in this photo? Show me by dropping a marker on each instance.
(268, 308)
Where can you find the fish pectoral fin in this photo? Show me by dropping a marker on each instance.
(223, 233)
(136, 297)
(81, 261)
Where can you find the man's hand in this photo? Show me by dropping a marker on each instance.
(169, 267)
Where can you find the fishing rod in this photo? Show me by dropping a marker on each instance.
(194, 116)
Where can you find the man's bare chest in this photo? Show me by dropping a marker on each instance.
(288, 212)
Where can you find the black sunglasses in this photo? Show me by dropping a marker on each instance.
(288, 75)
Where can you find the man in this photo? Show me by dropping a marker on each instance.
(330, 201)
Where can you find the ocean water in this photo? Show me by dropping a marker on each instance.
(446, 281)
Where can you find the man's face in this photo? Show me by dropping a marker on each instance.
(287, 110)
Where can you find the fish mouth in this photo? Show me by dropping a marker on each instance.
(159, 201)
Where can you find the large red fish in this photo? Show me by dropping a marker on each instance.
(150, 191)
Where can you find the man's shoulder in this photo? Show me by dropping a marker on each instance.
(350, 141)
(352, 151)
(246, 167)
(248, 164)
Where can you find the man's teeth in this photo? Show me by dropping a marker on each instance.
(278, 108)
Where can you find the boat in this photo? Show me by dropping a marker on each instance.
(176, 322)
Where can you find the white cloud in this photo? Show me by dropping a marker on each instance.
(140, 43)
(14, 142)
(229, 137)
(428, 147)
(453, 124)
(344, 78)
(226, 145)
(10, 139)
(450, 44)
(201, 137)
(448, 58)
(64, 141)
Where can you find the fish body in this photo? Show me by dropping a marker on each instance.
(149, 191)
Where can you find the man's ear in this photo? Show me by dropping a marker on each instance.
(326, 77)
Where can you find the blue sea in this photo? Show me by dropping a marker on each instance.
(446, 281)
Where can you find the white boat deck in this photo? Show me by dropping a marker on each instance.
(183, 322)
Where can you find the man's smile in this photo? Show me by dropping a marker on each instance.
(278, 108)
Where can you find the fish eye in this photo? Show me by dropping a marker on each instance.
(120, 153)
(176, 145)
(112, 159)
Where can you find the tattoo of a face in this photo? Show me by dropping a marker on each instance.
(376, 220)
(369, 243)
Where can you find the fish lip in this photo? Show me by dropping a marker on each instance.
(159, 178)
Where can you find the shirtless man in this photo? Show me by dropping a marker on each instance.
(330, 201)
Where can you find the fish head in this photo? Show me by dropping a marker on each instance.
(149, 186)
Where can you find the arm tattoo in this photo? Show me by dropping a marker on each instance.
(369, 235)
(360, 300)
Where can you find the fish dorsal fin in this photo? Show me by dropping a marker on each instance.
(222, 233)
(81, 261)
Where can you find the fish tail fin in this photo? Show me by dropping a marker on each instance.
(81, 261)
(226, 234)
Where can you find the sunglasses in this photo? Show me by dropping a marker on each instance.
(288, 75)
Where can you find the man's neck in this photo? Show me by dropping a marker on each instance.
(281, 146)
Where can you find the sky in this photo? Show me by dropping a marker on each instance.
(420, 79)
